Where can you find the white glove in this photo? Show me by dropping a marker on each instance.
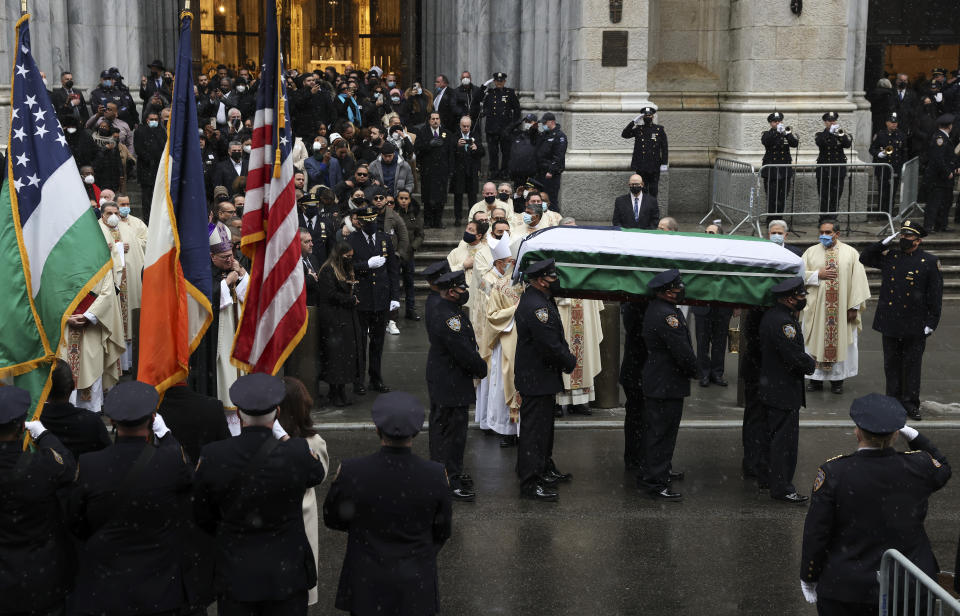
(35, 428)
(159, 426)
(938, 97)
(394, 304)
(375, 262)
(637, 119)
(809, 590)
(834, 128)
(488, 82)
(781, 128)
(890, 239)
(278, 431)
(663, 168)
(927, 331)
(909, 433)
(881, 154)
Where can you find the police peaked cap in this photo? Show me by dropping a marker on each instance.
(397, 414)
(546, 267)
(455, 278)
(912, 227)
(14, 403)
(130, 401)
(499, 76)
(257, 393)
(830, 116)
(664, 279)
(367, 213)
(878, 413)
(893, 117)
(776, 116)
(789, 286)
(435, 270)
(648, 111)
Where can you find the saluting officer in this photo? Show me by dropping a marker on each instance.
(831, 141)
(542, 354)
(939, 175)
(397, 512)
(249, 493)
(777, 142)
(320, 224)
(865, 503)
(888, 146)
(127, 509)
(501, 108)
(453, 362)
(908, 309)
(784, 362)
(650, 152)
(35, 551)
(670, 365)
(551, 157)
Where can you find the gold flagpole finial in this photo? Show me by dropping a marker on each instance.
(23, 7)
(186, 5)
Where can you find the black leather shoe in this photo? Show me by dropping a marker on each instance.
(814, 385)
(792, 498)
(557, 410)
(705, 382)
(675, 475)
(539, 493)
(914, 414)
(719, 380)
(412, 316)
(359, 389)
(579, 409)
(466, 481)
(549, 479)
(666, 494)
(836, 387)
(463, 494)
(508, 441)
(558, 476)
(379, 386)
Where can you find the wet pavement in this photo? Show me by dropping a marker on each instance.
(606, 549)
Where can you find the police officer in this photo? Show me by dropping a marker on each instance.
(35, 552)
(888, 146)
(396, 510)
(939, 175)
(524, 140)
(127, 510)
(670, 365)
(650, 152)
(865, 503)
(631, 379)
(321, 225)
(777, 142)
(111, 90)
(542, 354)
(501, 108)
(453, 362)
(908, 308)
(432, 273)
(783, 364)
(831, 142)
(551, 157)
(249, 493)
(378, 289)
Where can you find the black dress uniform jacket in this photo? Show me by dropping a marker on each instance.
(863, 504)
(911, 290)
(194, 419)
(322, 228)
(523, 153)
(784, 362)
(777, 152)
(35, 553)
(671, 362)
(130, 561)
(634, 348)
(396, 508)
(552, 152)
(831, 147)
(893, 138)
(262, 548)
(649, 148)
(80, 430)
(501, 108)
(542, 351)
(375, 287)
(453, 360)
(940, 160)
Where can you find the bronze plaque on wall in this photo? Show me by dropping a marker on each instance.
(614, 48)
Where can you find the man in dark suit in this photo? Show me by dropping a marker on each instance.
(435, 146)
(155, 83)
(396, 509)
(310, 268)
(467, 155)
(226, 171)
(79, 430)
(905, 103)
(865, 503)
(637, 210)
(35, 552)
(249, 495)
(447, 102)
(69, 101)
(378, 288)
(127, 510)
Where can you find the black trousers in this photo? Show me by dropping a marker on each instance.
(832, 607)
(498, 152)
(373, 326)
(448, 439)
(777, 186)
(712, 341)
(883, 189)
(754, 433)
(633, 427)
(552, 187)
(661, 421)
(938, 207)
(651, 181)
(146, 200)
(830, 182)
(535, 445)
(458, 203)
(902, 359)
(294, 605)
(780, 456)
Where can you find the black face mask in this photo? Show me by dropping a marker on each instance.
(504, 196)
(469, 237)
(901, 85)
(483, 226)
(647, 119)
(801, 304)
(554, 287)
(104, 133)
(680, 294)
(369, 227)
(490, 198)
(68, 85)
(311, 210)
(236, 156)
(906, 244)
(636, 189)
(463, 298)
(498, 237)
(518, 206)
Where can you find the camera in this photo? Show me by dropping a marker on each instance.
(468, 140)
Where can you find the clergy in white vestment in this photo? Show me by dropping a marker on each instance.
(837, 287)
(462, 258)
(127, 252)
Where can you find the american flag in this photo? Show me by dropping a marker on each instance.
(274, 316)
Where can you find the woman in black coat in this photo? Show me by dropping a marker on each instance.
(339, 327)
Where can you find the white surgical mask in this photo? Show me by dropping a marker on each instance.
(246, 149)
(241, 89)
(88, 179)
(465, 81)
(395, 99)
(419, 90)
(71, 130)
(317, 146)
(527, 219)
(527, 125)
(777, 238)
(153, 124)
(113, 220)
(124, 211)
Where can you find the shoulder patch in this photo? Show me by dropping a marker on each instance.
(673, 321)
(199, 462)
(818, 482)
(542, 315)
(936, 463)
(57, 457)
(454, 323)
(183, 454)
(789, 331)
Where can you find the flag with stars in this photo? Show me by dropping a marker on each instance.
(52, 251)
(274, 316)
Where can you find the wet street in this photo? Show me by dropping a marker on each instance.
(604, 548)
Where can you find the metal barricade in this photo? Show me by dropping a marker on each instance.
(733, 194)
(791, 191)
(906, 590)
(909, 188)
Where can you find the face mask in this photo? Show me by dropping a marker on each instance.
(554, 287)
(106, 83)
(317, 146)
(104, 132)
(542, 128)
(526, 126)
(527, 219)
(68, 85)
(419, 90)
(636, 189)
(498, 237)
(377, 141)
(777, 238)
(465, 81)
(311, 210)
(88, 179)
(901, 85)
(246, 149)
(681, 293)
(153, 124)
(647, 119)
(236, 156)
(241, 89)
(490, 198)
(71, 130)
(544, 207)
(801, 303)
(113, 220)
(483, 228)
(391, 84)
(826, 240)
(395, 99)
(463, 298)
(906, 244)
(469, 237)
(504, 196)
(124, 211)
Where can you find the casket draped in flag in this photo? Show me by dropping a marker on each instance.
(613, 263)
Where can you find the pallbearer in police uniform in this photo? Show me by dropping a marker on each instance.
(542, 355)
(501, 108)
(939, 175)
(777, 180)
(831, 141)
(670, 365)
(865, 503)
(908, 308)
(35, 551)
(453, 363)
(784, 362)
(888, 146)
(650, 151)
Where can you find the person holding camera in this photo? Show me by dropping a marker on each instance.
(68, 101)
(467, 155)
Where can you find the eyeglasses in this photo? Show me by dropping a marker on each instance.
(361, 175)
(378, 198)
